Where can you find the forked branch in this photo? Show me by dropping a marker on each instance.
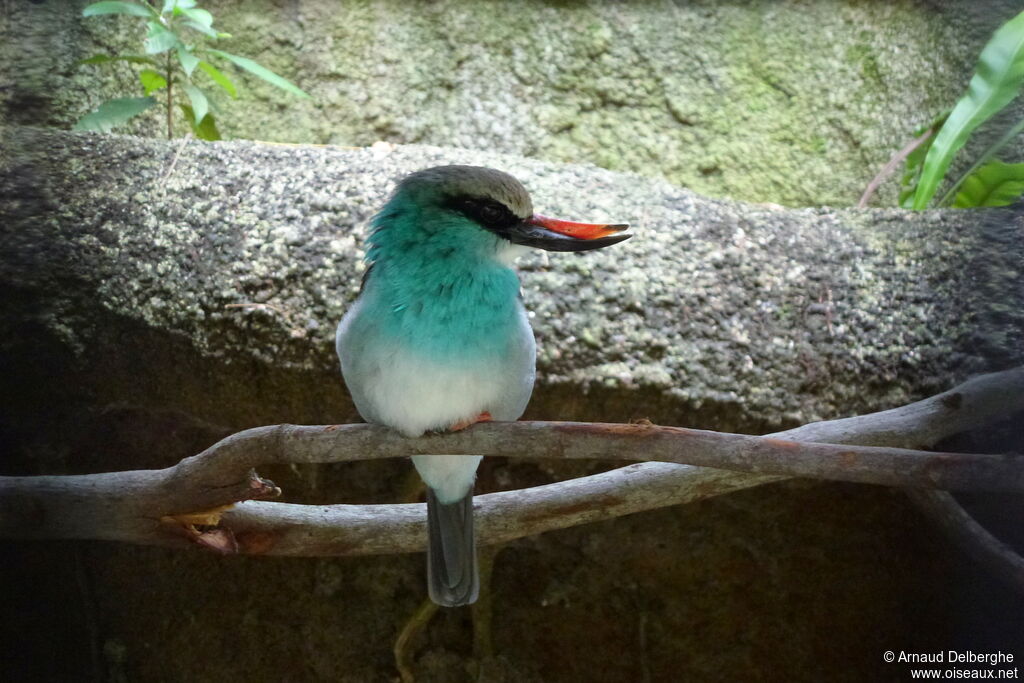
(184, 504)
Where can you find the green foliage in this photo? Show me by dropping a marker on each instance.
(996, 82)
(159, 39)
(114, 113)
(219, 78)
(152, 80)
(187, 60)
(263, 72)
(985, 157)
(915, 160)
(181, 28)
(200, 105)
(99, 8)
(994, 184)
(206, 129)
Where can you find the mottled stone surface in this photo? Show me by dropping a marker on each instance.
(715, 308)
(797, 103)
(158, 296)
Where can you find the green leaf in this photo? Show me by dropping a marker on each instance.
(200, 105)
(178, 5)
(263, 72)
(188, 60)
(200, 16)
(994, 184)
(103, 59)
(196, 26)
(915, 160)
(205, 129)
(219, 78)
(983, 159)
(997, 80)
(98, 8)
(159, 39)
(152, 80)
(113, 113)
(912, 173)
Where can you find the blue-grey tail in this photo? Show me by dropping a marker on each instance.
(452, 575)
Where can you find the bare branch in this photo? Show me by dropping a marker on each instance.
(317, 530)
(136, 506)
(886, 465)
(975, 539)
(344, 529)
(975, 403)
(891, 166)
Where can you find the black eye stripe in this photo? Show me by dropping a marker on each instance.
(488, 213)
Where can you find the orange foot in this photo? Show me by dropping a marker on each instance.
(462, 424)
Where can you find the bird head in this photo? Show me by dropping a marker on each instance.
(480, 209)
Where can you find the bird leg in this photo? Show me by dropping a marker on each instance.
(462, 424)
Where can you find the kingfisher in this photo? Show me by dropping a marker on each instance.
(438, 338)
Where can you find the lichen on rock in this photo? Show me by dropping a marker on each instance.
(793, 103)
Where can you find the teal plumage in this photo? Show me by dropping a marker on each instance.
(439, 339)
(436, 283)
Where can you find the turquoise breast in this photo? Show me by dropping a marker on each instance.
(446, 312)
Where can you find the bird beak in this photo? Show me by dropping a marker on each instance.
(554, 234)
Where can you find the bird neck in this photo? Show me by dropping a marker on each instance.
(439, 287)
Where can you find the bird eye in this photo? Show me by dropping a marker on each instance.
(487, 212)
(490, 213)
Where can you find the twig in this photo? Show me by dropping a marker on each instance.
(645, 662)
(307, 530)
(483, 608)
(977, 402)
(174, 159)
(89, 612)
(170, 100)
(975, 539)
(403, 645)
(891, 166)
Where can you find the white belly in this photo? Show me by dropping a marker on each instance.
(412, 394)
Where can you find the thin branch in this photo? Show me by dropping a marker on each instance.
(319, 530)
(403, 645)
(998, 557)
(161, 183)
(339, 529)
(885, 465)
(149, 507)
(170, 99)
(893, 163)
(977, 402)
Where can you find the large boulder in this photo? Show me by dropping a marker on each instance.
(160, 294)
(794, 103)
(745, 316)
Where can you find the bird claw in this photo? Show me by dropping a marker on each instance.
(462, 424)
